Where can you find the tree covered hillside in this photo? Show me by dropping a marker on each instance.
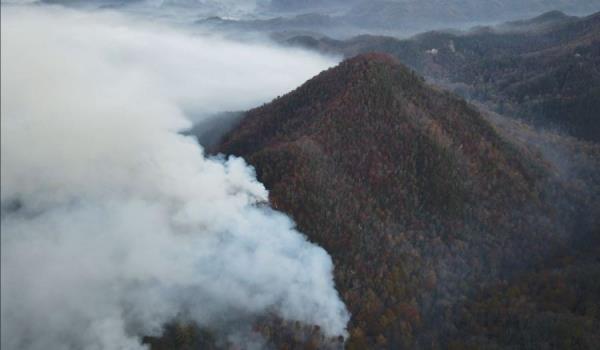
(420, 200)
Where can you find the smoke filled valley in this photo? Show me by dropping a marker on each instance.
(298, 174)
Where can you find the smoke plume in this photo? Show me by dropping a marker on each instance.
(113, 223)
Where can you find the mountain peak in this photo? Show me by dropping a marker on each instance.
(372, 115)
(365, 87)
(551, 15)
(376, 69)
(374, 65)
(374, 57)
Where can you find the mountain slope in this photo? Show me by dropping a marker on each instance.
(374, 95)
(416, 196)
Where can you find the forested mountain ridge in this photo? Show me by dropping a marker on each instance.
(545, 70)
(420, 200)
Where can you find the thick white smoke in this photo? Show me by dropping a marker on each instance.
(113, 223)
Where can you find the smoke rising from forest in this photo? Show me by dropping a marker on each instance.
(113, 223)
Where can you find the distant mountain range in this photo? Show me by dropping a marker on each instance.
(339, 18)
(546, 69)
(445, 10)
(342, 19)
(410, 13)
